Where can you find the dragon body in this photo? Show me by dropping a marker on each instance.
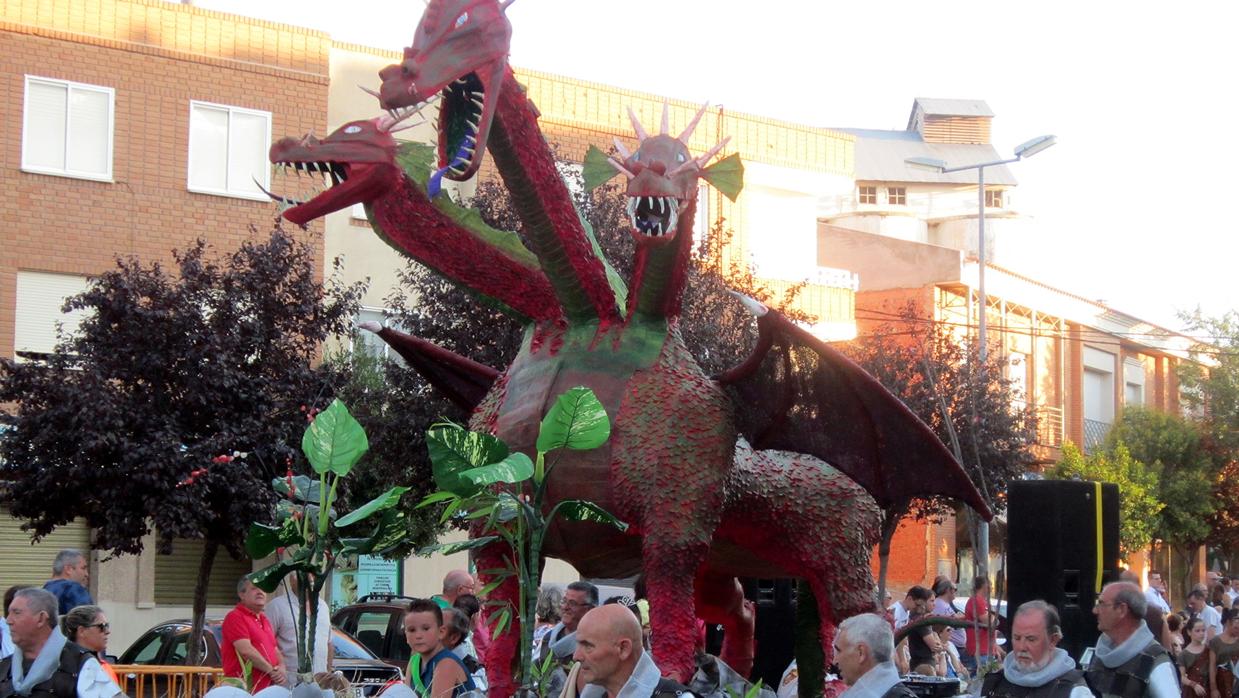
(776, 469)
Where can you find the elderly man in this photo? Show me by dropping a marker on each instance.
(455, 583)
(46, 664)
(611, 660)
(1036, 667)
(70, 575)
(1129, 662)
(579, 598)
(864, 647)
(247, 634)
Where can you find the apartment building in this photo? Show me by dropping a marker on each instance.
(134, 127)
(912, 236)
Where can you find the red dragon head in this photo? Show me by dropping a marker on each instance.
(357, 163)
(662, 177)
(460, 52)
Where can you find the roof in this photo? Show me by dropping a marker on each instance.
(935, 106)
(880, 157)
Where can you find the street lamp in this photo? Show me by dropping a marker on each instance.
(1024, 150)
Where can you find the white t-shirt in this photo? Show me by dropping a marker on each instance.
(280, 611)
(901, 614)
(1155, 598)
(1212, 619)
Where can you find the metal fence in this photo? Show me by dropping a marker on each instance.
(145, 681)
(1095, 434)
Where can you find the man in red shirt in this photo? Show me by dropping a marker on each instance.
(248, 635)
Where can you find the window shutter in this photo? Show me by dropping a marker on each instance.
(89, 132)
(208, 149)
(22, 562)
(40, 296)
(43, 134)
(176, 574)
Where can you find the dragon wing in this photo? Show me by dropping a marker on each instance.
(797, 393)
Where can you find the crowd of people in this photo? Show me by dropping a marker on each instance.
(53, 643)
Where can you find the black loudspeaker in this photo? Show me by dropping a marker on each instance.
(1062, 544)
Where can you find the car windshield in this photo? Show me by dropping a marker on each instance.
(348, 648)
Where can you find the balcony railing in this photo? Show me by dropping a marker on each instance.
(1049, 425)
(147, 681)
(1094, 434)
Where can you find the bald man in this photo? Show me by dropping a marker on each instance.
(455, 583)
(612, 662)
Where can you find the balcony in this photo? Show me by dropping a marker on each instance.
(1095, 435)
(1049, 425)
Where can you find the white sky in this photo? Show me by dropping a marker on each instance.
(1136, 203)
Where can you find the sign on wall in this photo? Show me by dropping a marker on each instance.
(362, 575)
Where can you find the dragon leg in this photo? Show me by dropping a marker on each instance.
(720, 599)
(670, 568)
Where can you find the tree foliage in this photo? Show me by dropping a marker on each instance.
(1210, 382)
(1139, 506)
(944, 382)
(133, 424)
(1172, 446)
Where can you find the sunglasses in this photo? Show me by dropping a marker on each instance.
(104, 627)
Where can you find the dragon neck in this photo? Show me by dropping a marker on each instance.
(661, 271)
(570, 257)
(454, 242)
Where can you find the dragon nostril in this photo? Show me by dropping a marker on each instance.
(658, 167)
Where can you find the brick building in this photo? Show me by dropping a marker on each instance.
(133, 127)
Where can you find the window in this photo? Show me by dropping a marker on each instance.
(993, 198)
(40, 297)
(228, 150)
(867, 195)
(67, 129)
(897, 196)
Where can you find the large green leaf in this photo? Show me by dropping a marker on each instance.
(334, 441)
(305, 488)
(435, 498)
(514, 469)
(581, 510)
(384, 501)
(454, 449)
(577, 421)
(268, 578)
(458, 546)
(262, 540)
(389, 533)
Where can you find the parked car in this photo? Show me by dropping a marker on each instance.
(377, 621)
(166, 644)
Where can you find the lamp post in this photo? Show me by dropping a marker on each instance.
(1024, 150)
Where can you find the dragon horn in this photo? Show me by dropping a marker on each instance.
(372, 93)
(503, 6)
(692, 125)
(665, 124)
(618, 166)
(636, 125)
(620, 147)
(712, 152)
(683, 167)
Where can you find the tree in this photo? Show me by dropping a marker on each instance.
(1174, 447)
(1210, 381)
(971, 406)
(140, 419)
(1138, 485)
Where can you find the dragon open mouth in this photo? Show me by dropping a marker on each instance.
(460, 113)
(653, 216)
(341, 185)
(334, 173)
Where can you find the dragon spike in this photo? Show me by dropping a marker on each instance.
(712, 152)
(692, 125)
(376, 327)
(620, 167)
(683, 167)
(372, 93)
(636, 125)
(619, 146)
(388, 121)
(503, 6)
(306, 138)
(665, 125)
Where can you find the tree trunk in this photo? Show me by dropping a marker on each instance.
(890, 524)
(194, 648)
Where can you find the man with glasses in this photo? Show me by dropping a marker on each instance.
(1155, 595)
(46, 664)
(455, 583)
(1129, 662)
(579, 598)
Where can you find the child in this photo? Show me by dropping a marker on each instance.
(442, 674)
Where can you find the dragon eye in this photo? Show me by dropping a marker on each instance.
(353, 129)
(679, 157)
(464, 17)
(636, 156)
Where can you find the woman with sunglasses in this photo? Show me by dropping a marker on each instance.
(88, 627)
